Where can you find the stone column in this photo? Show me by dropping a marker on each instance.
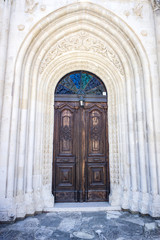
(156, 197)
(5, 9)
(6, 80)
(157, 26)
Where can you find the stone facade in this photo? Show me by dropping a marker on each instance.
(40, 42)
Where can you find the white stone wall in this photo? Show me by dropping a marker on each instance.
(40, 42)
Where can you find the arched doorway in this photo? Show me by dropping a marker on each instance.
(81, 150)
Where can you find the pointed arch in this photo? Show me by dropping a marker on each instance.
(108, 47)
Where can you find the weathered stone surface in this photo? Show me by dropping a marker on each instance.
(67, 224)
(82, 225)
(158, 223)
(113, 214)
(150, 226)
(43, 233)
(136, 220)
(83, 235)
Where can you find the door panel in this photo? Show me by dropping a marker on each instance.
(64, 181)
(66, 131)
(96, 162)
(65, 175)
(95, 130)
(81, 171)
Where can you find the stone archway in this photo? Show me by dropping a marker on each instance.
(107, 47)
(80, 146)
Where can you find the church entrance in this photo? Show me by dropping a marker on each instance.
(81, 151)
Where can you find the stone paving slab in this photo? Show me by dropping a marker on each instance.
(112, 225)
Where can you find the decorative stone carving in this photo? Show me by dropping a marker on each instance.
(144, 33)
(137, 10)
(43, 7)
(126, 13)
(21, 27)
(82, 41)
(155, 4)
(30, 6)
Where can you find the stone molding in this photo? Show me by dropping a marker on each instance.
(130, 108)
(113, 139)
(48, 135)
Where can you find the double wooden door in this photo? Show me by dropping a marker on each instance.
(81, 156)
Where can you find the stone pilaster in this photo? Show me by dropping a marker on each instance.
(156, 13)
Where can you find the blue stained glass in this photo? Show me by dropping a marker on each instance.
(76, 78)
(69, 84)
(85, 79)
(92, 84)
(97, 91)
(63, 90)
(80, 83)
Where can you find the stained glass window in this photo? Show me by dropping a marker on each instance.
(80, 83)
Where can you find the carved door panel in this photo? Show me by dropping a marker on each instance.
(96, 160)
(65, 153)
(80, 152)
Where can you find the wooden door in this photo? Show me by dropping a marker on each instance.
(80, 159)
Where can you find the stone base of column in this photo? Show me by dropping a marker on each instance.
(134, 201)
(30, 203)
(143, 202)
(48, 198)
(115, 195)
(125, 200)
(7, 210)
(154, 205)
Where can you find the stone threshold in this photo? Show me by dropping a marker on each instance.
(83, 207)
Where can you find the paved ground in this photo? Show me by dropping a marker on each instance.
(83, 225)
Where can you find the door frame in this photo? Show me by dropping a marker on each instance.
(92, 99)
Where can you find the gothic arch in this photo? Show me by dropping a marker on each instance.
(115, 54)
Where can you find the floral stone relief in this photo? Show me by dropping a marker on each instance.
(82, 41)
